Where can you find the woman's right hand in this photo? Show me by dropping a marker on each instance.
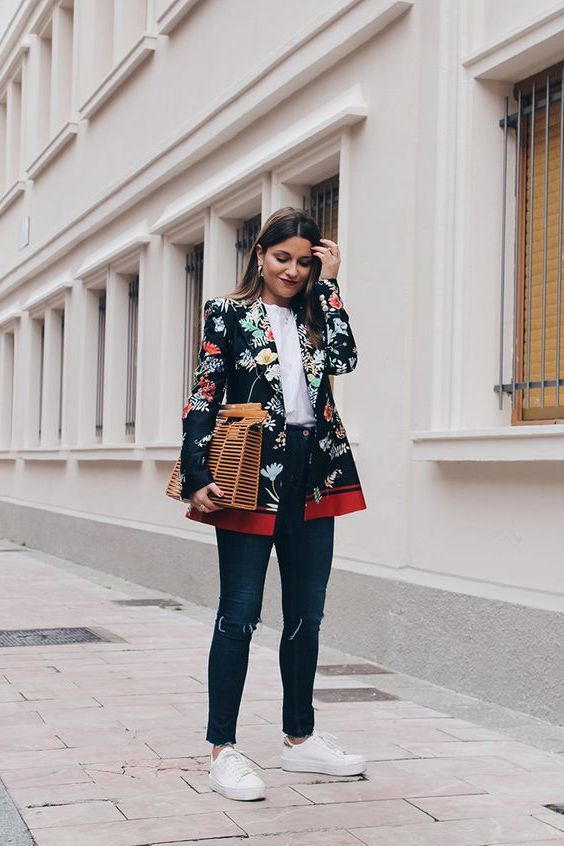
(201, 500)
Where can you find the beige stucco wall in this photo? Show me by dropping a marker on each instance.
(421, 218)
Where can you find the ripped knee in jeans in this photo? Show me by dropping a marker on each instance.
(311, 624)
(237, 630)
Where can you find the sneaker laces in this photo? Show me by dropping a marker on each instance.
(237, 763)
(327, 739)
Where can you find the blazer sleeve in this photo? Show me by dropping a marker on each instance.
(341, 346)
(200, 412)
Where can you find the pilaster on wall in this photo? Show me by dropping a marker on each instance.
(31, 368)
(87, 309)
(51, 377)
(115, 376)
(62, 71)
(173, 305)
(95, 27)
(7, 360)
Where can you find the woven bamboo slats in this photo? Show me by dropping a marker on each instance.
(233, 456)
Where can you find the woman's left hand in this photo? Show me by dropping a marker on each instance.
(328, 252)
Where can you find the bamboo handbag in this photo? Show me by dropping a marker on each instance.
(233, 456)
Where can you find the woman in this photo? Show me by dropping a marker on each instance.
(275, 340)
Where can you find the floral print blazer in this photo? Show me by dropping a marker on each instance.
(238, 354)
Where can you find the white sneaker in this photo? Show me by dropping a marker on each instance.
(233, 777)
(320, 754)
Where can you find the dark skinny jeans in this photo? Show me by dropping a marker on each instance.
(305, 551)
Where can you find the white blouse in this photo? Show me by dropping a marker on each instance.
(296, 396)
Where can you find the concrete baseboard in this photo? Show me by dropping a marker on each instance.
(503, 652)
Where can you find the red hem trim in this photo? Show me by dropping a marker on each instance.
(334, 506)
(253, 522)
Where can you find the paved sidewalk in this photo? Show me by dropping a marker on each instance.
(103, 743)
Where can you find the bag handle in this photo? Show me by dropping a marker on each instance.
(242, 409)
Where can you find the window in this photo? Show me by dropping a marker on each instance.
(323, 204)
(131, 379)
(100, 365)
(246, 235)
(61, 318)
(192, 315)
(40, 330)
(537, 125)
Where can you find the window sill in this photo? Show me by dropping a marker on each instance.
(140, 51)
(173, 14)
(168, 452)
(62, 138)
(506, 443)
(11, 194)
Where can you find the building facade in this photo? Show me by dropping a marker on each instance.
(141, 144)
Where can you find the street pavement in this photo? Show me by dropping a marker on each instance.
(103, 743)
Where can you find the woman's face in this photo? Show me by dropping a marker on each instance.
(286, 267)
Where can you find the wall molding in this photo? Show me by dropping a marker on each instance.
(117, 250)
(348, 108)
(522, 51)
(66, 134)
(335, 34)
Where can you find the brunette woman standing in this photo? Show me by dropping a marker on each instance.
(275, 340)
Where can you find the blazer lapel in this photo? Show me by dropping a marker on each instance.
(260, 340)
(313, 360)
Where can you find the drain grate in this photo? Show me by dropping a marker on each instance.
(48, 637)
(350, 669)
(558, 809)
(156, 601)
(352, 694)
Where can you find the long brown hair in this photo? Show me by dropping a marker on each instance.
(282, 224)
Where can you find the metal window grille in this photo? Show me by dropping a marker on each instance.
(41, 370)
(100, 365)
(192, 315)
(61, 366)
(246, 236)
(131, 381)
(537, 333)
(323, 205)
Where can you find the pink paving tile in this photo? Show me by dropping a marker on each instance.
(516, 783)
(9, 694)
(310, 838)
(520, 829)
(71, 814)
(29, 741)
(257, 820)
(396, 787)
(512, 750)
(192, 803)
(551, 817)
(462, 767)
(74, 755)
(156, 769)
(44, 776)
(139, 832)
(17, 718)
(461, 807)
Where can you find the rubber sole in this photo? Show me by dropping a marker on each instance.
(325, 769)
(244, 794)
